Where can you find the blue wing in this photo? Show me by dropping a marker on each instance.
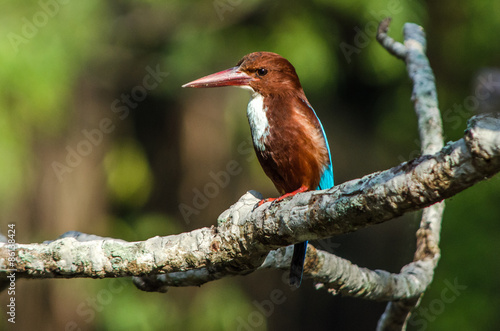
(326, 180)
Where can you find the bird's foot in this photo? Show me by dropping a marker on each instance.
(301, 189)
(263, 201)
(284, 196)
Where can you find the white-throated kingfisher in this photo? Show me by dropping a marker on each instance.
(288, 137)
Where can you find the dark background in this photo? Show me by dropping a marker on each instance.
(76, 154)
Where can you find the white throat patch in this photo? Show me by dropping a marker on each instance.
(257, 118)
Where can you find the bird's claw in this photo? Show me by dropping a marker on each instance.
(263, 201)
(257, 205)
(281, 198)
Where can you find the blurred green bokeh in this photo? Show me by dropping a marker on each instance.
(88, 144)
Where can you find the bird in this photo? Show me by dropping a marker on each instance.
(288, 137)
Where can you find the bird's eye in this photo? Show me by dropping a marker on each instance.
(261, 71)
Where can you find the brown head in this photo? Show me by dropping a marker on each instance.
(264, 72)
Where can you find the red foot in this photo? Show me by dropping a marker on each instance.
(301, 189)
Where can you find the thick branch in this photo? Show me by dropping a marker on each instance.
(243, 238)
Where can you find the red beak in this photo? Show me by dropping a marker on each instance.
(229, 77)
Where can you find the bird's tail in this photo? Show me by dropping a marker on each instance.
(297, 266)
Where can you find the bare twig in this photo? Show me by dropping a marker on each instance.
(392, 46)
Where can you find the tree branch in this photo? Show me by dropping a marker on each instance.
(430, 127)
(242, 239)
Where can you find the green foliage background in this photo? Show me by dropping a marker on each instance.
(64, 63)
